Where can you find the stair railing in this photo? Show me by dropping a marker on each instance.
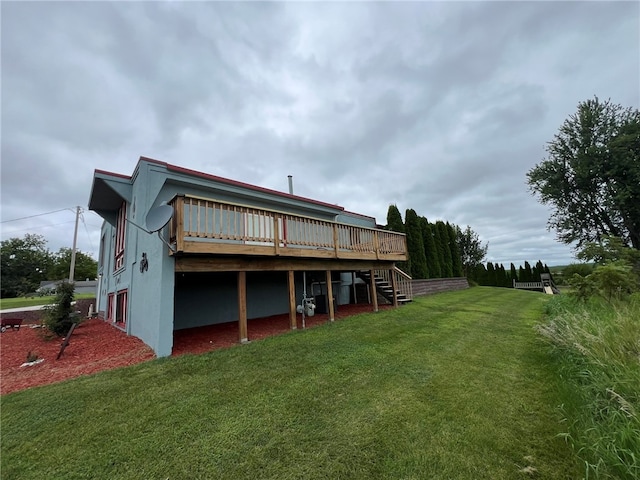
(402, 281)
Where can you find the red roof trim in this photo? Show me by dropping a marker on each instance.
(104, 172)
(236, 183)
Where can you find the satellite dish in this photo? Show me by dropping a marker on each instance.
(158, 217)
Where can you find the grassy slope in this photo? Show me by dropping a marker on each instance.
(452, 386)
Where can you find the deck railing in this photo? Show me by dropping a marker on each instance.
(209, 226)
(527, 285)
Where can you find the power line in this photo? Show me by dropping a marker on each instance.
(87, 230)
(41, 226)
(32, 216)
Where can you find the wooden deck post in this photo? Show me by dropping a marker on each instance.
(242, 306)
(394, 285)
(293, 322)
(179, 214)
(355, 290)
(374, 292)
(376, 244)
(330, 296)
(276, 235)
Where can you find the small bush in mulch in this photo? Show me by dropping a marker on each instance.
(59, 316)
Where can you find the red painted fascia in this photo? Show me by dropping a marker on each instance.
(104, 172)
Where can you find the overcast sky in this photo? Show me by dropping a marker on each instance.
(440, 107)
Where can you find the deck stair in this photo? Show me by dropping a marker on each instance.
(384, 287)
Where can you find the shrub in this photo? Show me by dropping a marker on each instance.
(582, 269)
(59, 316)
(597, 346)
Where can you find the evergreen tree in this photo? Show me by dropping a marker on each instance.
(522, 275)
(504, 277)
(491, 275)
(415, 246)
(484, 275)
(456, 260)
(479, 274)
(528, 272)
(538, 270)
(394, 220)
(433, 266)
(395, 224)
(514, 274)
(444, 254)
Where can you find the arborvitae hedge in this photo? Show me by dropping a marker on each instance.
(394, 220)
(444, 252)
(433, 266)
(415, 247)
(456, 260)
(395, 224)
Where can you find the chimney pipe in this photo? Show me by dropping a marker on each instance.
(290, 177)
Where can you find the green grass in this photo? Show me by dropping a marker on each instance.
(6, 303)
(597, 350)
(453, 386)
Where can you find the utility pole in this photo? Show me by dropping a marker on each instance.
(73, 250)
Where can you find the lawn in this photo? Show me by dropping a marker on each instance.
(456, 385)
(6, 303)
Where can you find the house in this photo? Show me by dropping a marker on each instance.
(80, 287)
(229, 252)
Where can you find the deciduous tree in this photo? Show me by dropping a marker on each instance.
(85, 266)
(472, 252)
(25, 262)
(591, 176)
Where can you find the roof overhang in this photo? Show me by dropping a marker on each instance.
(109, 191)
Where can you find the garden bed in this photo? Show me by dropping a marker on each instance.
(93, 347)
(96, 345)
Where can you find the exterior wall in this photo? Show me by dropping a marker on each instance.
(211, 298)
(151, 292)
(105, 269)
(437, 285)
(356, 220)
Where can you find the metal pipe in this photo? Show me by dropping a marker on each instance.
(290, 177)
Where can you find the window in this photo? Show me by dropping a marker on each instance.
(121, 308)
(102, 244)
(117, 308)
(121, 224)
(110, 305)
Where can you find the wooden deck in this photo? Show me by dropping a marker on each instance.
(205, 226)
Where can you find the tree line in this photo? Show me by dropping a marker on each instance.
(496, 275)
(444, 250)
(25, 262)
(435, 250)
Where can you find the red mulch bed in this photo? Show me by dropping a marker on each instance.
(96, 346)
(204, 339)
